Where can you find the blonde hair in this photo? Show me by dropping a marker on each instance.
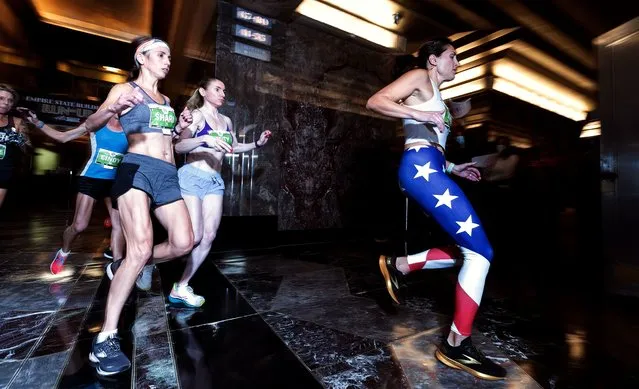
(196, 100)
(7, 88)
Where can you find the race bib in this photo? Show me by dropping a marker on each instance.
(108, 159)
(448, 118)
(225, 135)
(162, 117)
(3, 151)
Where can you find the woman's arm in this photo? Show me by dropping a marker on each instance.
(120, 98)
(186, 143)
(244, 147)
(385, 101)
(64, 136)
(60, 136)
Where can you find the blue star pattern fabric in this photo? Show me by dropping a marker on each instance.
(422, 177)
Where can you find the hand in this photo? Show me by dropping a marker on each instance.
(459, 109)
(264, 137)
(186, 118)
(433, 117)
(216, 143)
(28, 114)
(127, 100)
(467, 171)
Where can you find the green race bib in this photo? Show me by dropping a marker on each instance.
(108, 159)
(448, 118)
(3, 151)
(162, 117)
(225, 135)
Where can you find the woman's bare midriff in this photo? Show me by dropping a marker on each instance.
(155, 145)
(205, 159)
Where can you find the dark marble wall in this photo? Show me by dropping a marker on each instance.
(329, 163)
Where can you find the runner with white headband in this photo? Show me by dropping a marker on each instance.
(146, 180)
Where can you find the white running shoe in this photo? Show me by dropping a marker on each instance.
(184, 295)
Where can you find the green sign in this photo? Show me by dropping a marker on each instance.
(448, 119)
(225, 135)
(162, 117)
(109, 159)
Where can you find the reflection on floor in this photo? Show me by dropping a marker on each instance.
(300, 317)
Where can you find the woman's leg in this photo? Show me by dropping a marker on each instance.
(135, 219)
(83, 208)
(212, 215)
(422, 176)
(117, 236)
(194, 206)
(181, 293)
(175, 218)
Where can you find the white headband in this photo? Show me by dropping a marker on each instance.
(148, 46)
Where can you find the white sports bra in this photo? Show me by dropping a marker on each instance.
(425, 131)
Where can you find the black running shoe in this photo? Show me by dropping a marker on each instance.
(107, 356)
(466, 357)
(143, 282)
(391, 277)
(108, 253)
(112, 267)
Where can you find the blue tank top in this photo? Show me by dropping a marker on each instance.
(148, 116)
(208, 130)
(107, 150)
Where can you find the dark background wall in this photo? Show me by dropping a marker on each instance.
(330, 163)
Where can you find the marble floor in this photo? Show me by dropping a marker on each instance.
(300, 316)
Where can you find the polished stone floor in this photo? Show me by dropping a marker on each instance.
(296, 316)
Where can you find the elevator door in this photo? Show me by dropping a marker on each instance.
(619, 107)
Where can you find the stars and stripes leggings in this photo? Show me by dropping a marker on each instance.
(422, 177)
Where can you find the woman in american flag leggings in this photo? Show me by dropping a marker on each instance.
(424, 175)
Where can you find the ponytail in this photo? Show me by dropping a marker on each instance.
(196, 100)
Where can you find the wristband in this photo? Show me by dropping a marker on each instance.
(449, 168)
(257, 146)
(39, 124)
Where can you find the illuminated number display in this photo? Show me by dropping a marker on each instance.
(252, 17)
(250, 51)
(255, 36)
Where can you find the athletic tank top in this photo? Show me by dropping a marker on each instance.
(148, 116)
(208, 130)
(107, 150)
(419, 131)
(10, 142)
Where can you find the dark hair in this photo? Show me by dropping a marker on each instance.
(135, 71)
(435, 46)
(7, 88)
(196, 100)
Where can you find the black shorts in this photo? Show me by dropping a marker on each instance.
(157, 178)
(6, 178)
(96, 188)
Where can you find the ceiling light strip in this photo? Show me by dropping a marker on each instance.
(343, 21)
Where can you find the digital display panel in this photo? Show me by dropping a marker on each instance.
(251, 51)
(252, 17)
(253, 35)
